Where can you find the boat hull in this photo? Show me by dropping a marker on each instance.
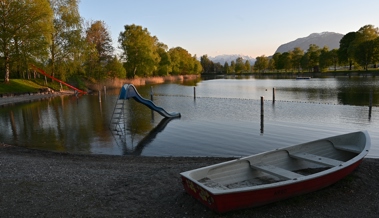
(276, 175)
(222, 203)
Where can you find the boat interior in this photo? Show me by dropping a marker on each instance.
(289, 163)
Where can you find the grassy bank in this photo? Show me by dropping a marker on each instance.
(18, 86)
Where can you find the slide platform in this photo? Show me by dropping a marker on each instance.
(130, 91)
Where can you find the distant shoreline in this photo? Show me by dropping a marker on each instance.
(301, 74)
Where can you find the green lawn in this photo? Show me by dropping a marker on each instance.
(19, 86)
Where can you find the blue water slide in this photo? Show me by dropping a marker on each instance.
(130, 91)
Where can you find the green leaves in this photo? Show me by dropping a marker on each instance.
(146, 56)
(25, 30)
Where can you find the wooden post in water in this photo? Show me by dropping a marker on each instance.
(194, 92)
(151, 93)
(99, 95)
(370, 105)
(152, 99)
(105, 90)
(262, 114)
(273, 95)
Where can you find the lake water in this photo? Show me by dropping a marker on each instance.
(224, 120)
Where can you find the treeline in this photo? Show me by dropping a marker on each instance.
(237, 66)
(358, 50)
(52, 35)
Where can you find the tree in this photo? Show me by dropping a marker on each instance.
(325, 58)
(261, 63)
(139, 51)
(247, 66)
(345, 51)
(313, 56)
(232, 67)
(98, 37)
(24, 25)
(226, 67)
(285, 61)
(206, 63)
(304, 62)
(183, 63)
(334, 58)
(240, 66)
(66, 41)
(296, 55)
(164, 67)
(271, 65)
(115, 68)
(275, 59)
(366, 33)
(218, 67)
(367, 52)
(365, 37)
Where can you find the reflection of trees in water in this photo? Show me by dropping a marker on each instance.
(356, 91)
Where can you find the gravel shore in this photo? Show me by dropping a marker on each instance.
(37, 183)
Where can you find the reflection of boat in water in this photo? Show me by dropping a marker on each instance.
(271, 176)
(299, 77)
(120, 138)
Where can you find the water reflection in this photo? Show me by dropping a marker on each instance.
(224, 119)
(130, 149)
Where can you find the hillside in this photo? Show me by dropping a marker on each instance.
(329, 39)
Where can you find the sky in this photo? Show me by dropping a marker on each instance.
(243, 27)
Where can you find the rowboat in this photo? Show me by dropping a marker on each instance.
(275, 175)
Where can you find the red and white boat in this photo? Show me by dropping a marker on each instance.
(279, 174)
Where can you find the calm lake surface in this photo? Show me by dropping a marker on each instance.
(223, 120)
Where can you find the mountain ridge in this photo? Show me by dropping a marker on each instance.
(329, 39)
(229, 58)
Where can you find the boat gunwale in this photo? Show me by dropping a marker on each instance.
(343, 165)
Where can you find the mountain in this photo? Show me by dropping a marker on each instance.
(330, 39)
(229, 58)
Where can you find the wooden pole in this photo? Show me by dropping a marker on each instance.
(194, 92)
(262, 114)
(105, 90)
(370, 105)
(151, 93)
(273, 95)
(99, 95)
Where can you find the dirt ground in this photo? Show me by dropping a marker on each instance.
(37, 183)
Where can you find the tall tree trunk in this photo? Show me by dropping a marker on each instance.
(6, 62)
(6, 78)
(52, 58)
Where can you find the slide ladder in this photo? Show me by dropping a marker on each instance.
(60, 81)
(129, 91)
(117, 123)
(118, 117)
